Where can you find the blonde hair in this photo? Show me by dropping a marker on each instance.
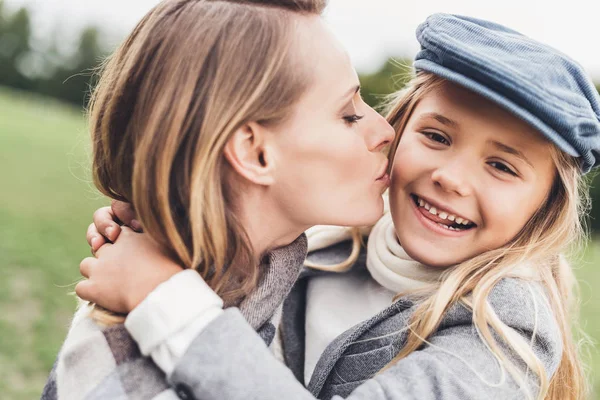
(357, 243)
(189, 75)
(553, 230)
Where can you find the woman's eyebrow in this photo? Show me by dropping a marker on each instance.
(351, 92)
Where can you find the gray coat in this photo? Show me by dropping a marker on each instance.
(229, 361)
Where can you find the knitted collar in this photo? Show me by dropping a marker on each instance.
(389, 264)
(281, 268)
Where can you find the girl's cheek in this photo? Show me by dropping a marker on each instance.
(404, 162)
(398, 170)
(502, 215)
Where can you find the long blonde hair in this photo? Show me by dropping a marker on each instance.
(189, 75)
(553, 230)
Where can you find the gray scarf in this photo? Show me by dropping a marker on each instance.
(281, 269)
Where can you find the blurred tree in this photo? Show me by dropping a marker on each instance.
(594, 216)
(72, 81)
(15, 35)
(593, 220)
(64, 76)
(392, 76)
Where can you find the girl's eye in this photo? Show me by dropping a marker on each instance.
(353, 118)
(502, 167)
(436, 137)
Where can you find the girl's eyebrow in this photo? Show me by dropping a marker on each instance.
(500, 146)
(441, 119)
(511, 150)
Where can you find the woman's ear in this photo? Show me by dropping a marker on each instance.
(249, 155)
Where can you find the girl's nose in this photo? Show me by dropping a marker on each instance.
(453, 177)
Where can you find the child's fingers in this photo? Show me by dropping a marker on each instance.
(104, 219)
(125, 213)
(94, 238)
(86, 265)
(86, 290)
(101, 249)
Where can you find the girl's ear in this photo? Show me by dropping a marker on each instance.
(249, 155)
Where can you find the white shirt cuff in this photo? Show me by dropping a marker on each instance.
(172, 316)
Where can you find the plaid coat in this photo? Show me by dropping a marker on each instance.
(98, 362)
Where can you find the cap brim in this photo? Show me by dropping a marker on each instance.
(497, 98)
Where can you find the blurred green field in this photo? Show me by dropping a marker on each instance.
(46, 203)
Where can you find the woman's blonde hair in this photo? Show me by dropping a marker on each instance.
(554, 229)
(189, 75)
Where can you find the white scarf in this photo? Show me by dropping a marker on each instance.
(389, 264)
(387, 261)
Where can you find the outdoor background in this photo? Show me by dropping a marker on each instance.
(48, 49)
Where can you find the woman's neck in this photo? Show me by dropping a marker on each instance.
(266, 225)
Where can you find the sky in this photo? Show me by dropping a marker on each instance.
(371, 30)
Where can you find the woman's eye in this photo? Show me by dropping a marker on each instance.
(436, 137)
(353, 118)
(502, 167)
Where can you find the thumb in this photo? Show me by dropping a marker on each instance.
(86, 290)
(125, 213)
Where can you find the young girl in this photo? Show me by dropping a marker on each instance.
(464, 292)
(201, 120)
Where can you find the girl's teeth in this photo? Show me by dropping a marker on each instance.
(448, 227)
(443, 215)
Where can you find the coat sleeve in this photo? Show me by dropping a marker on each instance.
(49, 392)
(103, 363)
(229, 361)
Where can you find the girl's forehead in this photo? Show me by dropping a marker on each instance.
(482, 126)
(465, 109)
(457, 98)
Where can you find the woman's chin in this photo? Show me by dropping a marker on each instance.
(374, 214)
(365, 215)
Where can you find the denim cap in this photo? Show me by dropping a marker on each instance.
(537, 83)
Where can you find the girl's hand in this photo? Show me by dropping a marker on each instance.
(105, 227)
(124, 273)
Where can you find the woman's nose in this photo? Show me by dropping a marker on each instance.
(379, 133)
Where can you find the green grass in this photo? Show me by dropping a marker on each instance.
(46, 203)
(588, 274)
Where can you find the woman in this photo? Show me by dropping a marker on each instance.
(222, 123)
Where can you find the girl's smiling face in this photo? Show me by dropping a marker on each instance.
(467, 176)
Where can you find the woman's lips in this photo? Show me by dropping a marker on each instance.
(383, 171)
(385, 180)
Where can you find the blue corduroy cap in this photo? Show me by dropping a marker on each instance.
(537, 83)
